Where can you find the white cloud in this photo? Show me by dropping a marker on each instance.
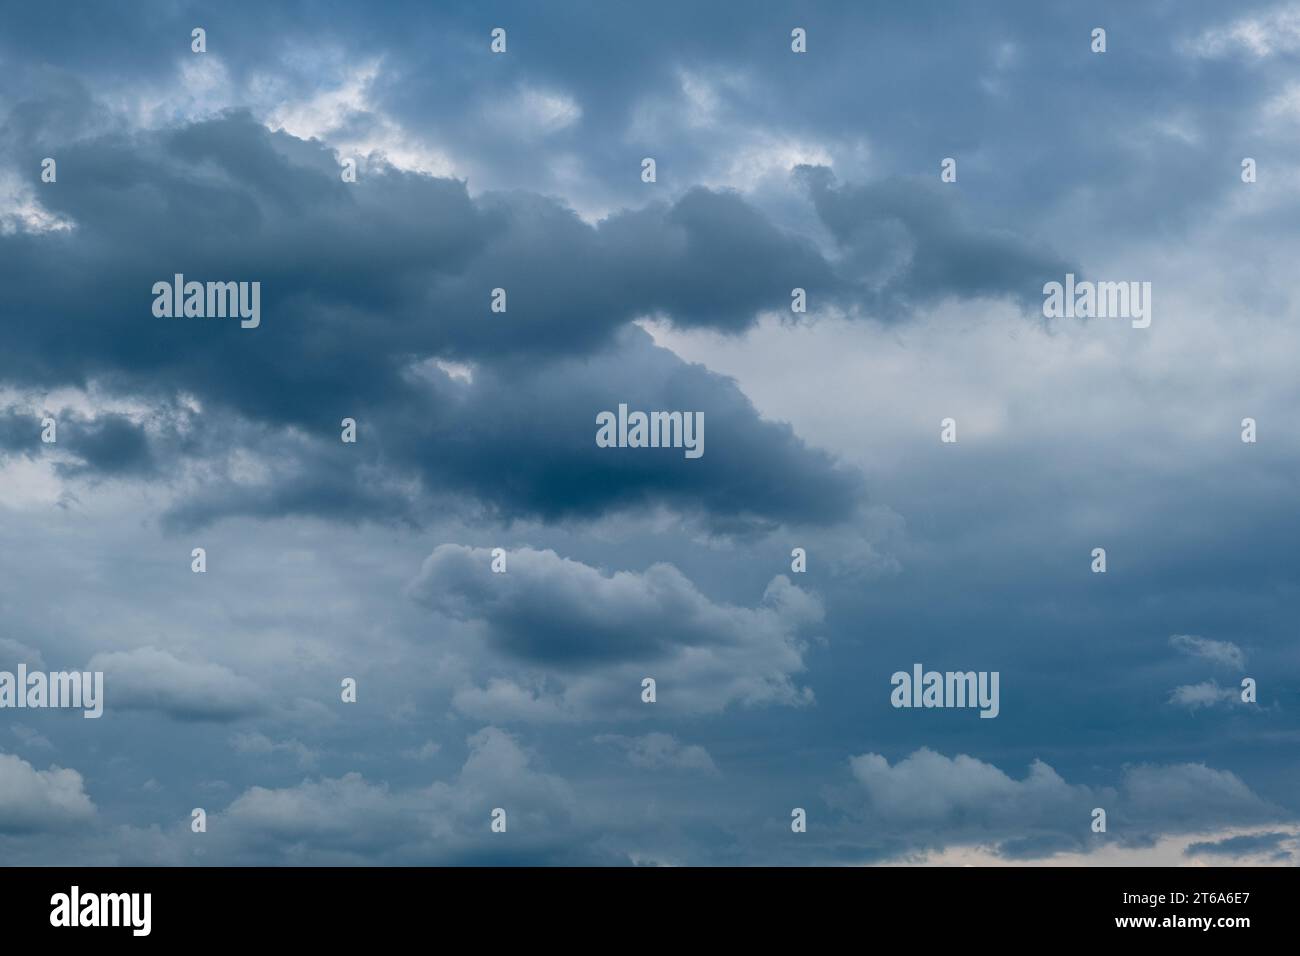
(716, 104)
(346, 118)
(927, 786)
(1171, 850)
(21, 209)
(1258, 36)
(533, 112)
(1205, 694)
(38, 800)
(1225, 653)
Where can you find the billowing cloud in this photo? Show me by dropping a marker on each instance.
(273, 210)
(596, 635)
(34, 800)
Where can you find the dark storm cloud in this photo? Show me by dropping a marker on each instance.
(298, 476)
(522, 437)
(223, 200)
(1060, 152)
(359, 282)
(918, 243)
(19, 432)
(108, 445)
(520, 440)
(412, 260)
(712, 260)
(412, 255)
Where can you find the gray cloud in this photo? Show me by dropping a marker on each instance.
(548, 608)
(150, 678)
(1248, 844)
(31, 737)
(659, 751)
(910, 243)
(595, 635)
(928, 800)
(16, 652)
(348, 819)
(259, 744)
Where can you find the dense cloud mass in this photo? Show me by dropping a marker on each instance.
(310, 638)
(369, 287)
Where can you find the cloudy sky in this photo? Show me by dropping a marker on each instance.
(475, 430)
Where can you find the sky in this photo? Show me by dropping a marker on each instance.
(371, 561)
